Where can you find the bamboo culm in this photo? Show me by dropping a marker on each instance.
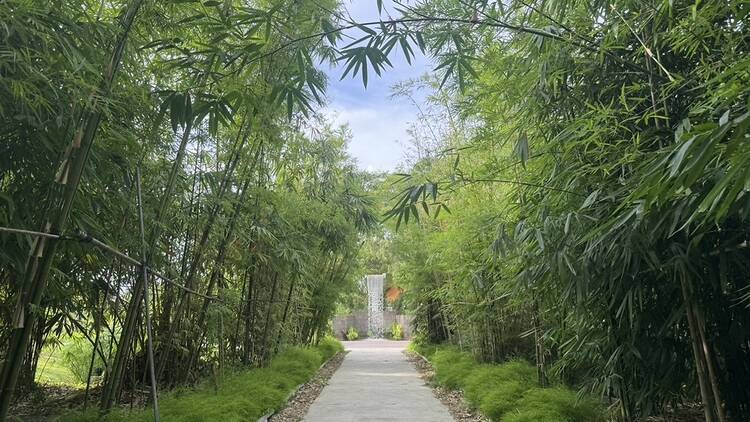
(43, 251)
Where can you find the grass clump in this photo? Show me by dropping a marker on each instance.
(452, 367)
(508, 392)
(502, 399)
(424, 349)
(329, 346)
(556, 404)
(243, 396)
(485, 379)
(496, 389)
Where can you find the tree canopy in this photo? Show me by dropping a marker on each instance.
(171, 190)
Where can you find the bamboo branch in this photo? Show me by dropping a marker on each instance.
(85, 238)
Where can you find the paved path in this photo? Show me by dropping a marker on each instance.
(376, 383)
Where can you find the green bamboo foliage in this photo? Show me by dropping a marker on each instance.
(68, 177)
(235, 202)
(608, 242)
(577, 196)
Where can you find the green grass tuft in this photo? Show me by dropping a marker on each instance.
(243, 396)
(555, 404)
(329, 346)
(452, 367)
(508, 392)
(496, 389)
(424, 349)
(502, 399)
(484, 379)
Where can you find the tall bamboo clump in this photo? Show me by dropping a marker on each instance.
(597, 195)
(68, 177)
(236, 217)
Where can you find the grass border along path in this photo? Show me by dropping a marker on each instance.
(507, 392)
(243, 396)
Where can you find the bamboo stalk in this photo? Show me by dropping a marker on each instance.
(248, 344)
(69, 176)
(30, 232)
(97, 323)
(146, 306)
(215, 274)
(285, 315)
(240, 309)
(264, 352)
(126, 337)
(710, 366)
(239, 143)
(708, 407)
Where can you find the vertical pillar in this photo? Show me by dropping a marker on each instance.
(375, 305)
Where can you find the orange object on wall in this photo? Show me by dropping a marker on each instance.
(393, 293)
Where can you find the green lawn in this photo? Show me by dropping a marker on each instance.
(53, 368)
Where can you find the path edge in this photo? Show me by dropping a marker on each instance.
(452, 399)
(272, 412)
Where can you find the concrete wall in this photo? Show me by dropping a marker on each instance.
(358, 320)
(403, 320)
(342, 323)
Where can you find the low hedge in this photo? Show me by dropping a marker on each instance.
(508, 392)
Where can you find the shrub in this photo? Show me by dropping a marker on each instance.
(397, 333)
(352, 334)
(329, 346)
(507, 392)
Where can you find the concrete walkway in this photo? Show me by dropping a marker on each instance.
(376, 383)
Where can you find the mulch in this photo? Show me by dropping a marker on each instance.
(452, 399)
(298, 405)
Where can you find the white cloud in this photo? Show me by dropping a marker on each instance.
(378, 133)
(378, 123)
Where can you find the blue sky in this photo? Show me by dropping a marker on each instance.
(378, 123)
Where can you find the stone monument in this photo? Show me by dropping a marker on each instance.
(375, 283)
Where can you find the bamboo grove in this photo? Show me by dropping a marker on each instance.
(580, 200)
(187, 220)
(578, 197)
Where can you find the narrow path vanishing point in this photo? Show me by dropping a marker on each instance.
(376, 383)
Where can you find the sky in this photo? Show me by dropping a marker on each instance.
(378, 123)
